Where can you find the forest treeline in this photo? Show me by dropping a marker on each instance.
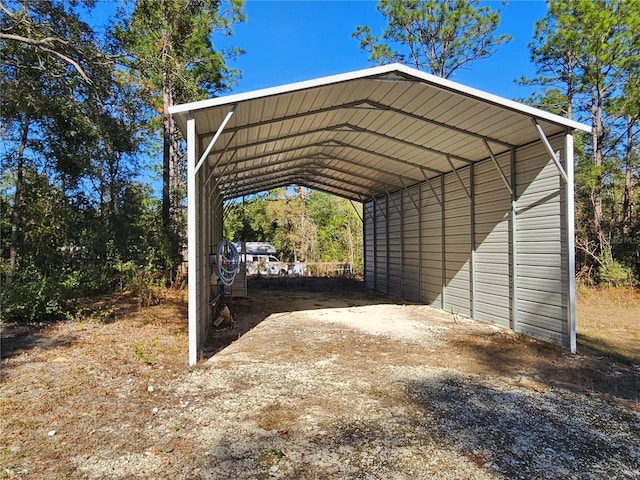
(84, 119)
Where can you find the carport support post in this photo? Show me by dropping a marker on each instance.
(571, 242)
(514, 244)
(192, 246)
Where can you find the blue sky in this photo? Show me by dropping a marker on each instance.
(294, 40)
(289, 41)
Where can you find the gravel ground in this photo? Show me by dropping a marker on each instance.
(353, 392)
(336, 386)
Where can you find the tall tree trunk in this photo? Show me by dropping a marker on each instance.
(629, 186)
(17, 201)
(171, 180)
(597, 137)
(166, 154)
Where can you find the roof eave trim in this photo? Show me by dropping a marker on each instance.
(378, 71)
(280, 89)
(495, 99)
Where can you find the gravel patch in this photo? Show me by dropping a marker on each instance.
(330, 394)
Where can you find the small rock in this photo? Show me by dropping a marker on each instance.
(150, 388)
(155, 410)
(52, 433)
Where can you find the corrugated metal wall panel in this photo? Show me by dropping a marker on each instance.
(381, 274)
(541, 269)
(407, 250)
(492, 218)
(411, 243)
(395, 244)
(431, 247)
(457, 214)
(369, 253)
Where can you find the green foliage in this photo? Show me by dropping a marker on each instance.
(303, 225)
(34, 297)
(440, 36)
(145, 351)
(169, 46)
(170, 57)
(614, 274)
(587, 54)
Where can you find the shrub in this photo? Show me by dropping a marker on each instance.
(34, 297)
(614, 274)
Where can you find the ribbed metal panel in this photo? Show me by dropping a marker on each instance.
(541, 269)
(368, 244)
(394, 254)
(492, 217)
(381, 242)
(411, 243)
(457, 243)
(431, 247)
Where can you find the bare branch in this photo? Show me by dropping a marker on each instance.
(42, 45)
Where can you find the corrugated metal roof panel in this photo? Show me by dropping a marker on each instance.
(392, 121)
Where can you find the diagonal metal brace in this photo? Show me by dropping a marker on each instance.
(500, 171)
(466, 190)
(554, 155)
(214, 139)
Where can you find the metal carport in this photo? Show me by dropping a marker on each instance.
(468, 197)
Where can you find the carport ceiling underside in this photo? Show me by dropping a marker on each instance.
(357, 135)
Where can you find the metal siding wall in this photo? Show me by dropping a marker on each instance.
(457, 244)
(492, 221)
(431, 246)
(411, 243)
(368, 232)
(542, 291)
(381, 273)
(394, 254)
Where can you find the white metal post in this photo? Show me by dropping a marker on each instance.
(192, 241)
(514, 244)
(571, 242)
(472, 234)
(443, 296)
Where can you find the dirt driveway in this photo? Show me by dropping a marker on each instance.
(346, 384)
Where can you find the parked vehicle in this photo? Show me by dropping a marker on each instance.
(260, 259)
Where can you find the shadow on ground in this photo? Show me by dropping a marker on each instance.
(20, 338)
(551, 365)
(455, 428)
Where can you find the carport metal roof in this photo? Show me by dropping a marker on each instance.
(358, 134)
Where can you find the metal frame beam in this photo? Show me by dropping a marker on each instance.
(340, 144)
(348, 128)
(420, 118)
(311, 164)
(554, 155)
(215, 138)
(301, 170)
(286, 118)
(497, 165)
(453, 169)
(406, 142)
(332, 190)
(514, 245)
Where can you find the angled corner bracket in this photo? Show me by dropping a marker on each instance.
(554, 155)
(214, 139)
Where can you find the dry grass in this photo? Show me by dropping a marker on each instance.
(609, 323)
(96, 381)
